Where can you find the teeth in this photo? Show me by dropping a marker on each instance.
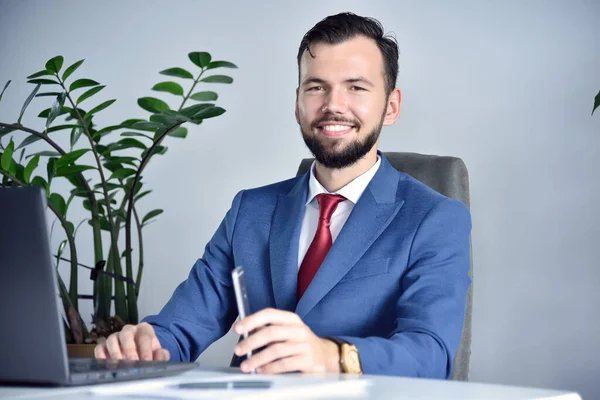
(336, 128)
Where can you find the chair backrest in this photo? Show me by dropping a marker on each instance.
(448, 176)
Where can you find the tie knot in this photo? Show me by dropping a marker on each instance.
(327, 204)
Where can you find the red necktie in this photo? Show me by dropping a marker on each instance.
(321, 243)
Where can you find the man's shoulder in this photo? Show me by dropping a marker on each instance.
(273, 190)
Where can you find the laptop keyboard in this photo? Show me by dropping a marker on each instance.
(89, 369)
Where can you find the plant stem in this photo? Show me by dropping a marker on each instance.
(98, 252)
(138, 281)
(191, 89)
(120, 308)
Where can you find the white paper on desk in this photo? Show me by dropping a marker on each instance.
(283, 387)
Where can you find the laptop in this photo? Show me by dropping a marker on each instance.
(32, 338)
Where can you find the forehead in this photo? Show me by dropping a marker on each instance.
(358, 56)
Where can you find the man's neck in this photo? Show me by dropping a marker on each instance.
(334, 179)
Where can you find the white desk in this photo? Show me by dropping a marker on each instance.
(298, 386)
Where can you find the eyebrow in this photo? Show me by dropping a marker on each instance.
(358, 79)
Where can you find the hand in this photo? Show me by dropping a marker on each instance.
(133, 342)
(292, 346)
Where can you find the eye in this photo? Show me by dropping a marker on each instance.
(314, 88)
(357, 88)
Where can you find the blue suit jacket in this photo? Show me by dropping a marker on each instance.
(394, 282)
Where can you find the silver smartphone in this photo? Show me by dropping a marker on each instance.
(241, 296)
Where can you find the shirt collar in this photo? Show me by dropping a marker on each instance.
(352, 191)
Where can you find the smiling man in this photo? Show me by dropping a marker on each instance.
(353, 267)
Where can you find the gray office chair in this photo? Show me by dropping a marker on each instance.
(449, 176)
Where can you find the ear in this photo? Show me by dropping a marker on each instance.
(296, 111)
(393, 107)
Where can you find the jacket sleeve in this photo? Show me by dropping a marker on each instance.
(202, 308)
(430, 310)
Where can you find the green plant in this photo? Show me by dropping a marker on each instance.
(110, 185)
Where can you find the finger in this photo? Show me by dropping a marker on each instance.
(160, 355)
(271, 334)
(145, 337)
(100, 352)
(144, 344)
(265, 317)
(127, 341)
(273, 352)
(289, 364)
(114, 348)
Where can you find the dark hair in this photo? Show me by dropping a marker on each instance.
(341, 27)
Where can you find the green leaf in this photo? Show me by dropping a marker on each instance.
(146, 126)
(105, 131)
(31, 96)
(76, 133)
(46, 113)
(135, 134)
(192, 110)
(151, 215)
(45, 153)
(43, 82)
(41, 73)
(123, 160)
(99, 107)
(28, 140)
(89, 93)
(47, 94)
(217, 79)
(220, 64)
(178, 72)
(70, 158)
(210, 112)
(51, 169)
(58, 202)
(129, 122)
(200, 58)
(156, 150)
(180, 132)
(80, 83)
(126, 144)
(71, 69)
(31, 166)
(153, 105)
(169, 87)
(55, 64)
(12, 168)
(139, 196)
(72, 169)
(40, 182)
(7, 156)
(122, 173)
(60, 128)
(205, 96)
(22, 154)
(596, 102)
(56, 109)
(169, 118)
(3, 90)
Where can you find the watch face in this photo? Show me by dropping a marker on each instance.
(353, 361)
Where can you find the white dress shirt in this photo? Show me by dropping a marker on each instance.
(352, 192)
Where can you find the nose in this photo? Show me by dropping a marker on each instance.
(336, 101)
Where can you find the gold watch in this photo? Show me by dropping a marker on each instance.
(349, 357)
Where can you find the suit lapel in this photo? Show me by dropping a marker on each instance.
(283, 244)
(371, 215)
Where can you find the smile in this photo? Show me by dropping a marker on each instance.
(335, 130)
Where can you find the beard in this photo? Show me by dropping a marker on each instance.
(329, 153)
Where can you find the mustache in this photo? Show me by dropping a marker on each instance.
(333, 118)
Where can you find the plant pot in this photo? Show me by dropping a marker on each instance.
(81, 350)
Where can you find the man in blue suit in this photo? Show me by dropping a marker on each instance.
(351, 267)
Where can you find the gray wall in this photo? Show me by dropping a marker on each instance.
(508, 86)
